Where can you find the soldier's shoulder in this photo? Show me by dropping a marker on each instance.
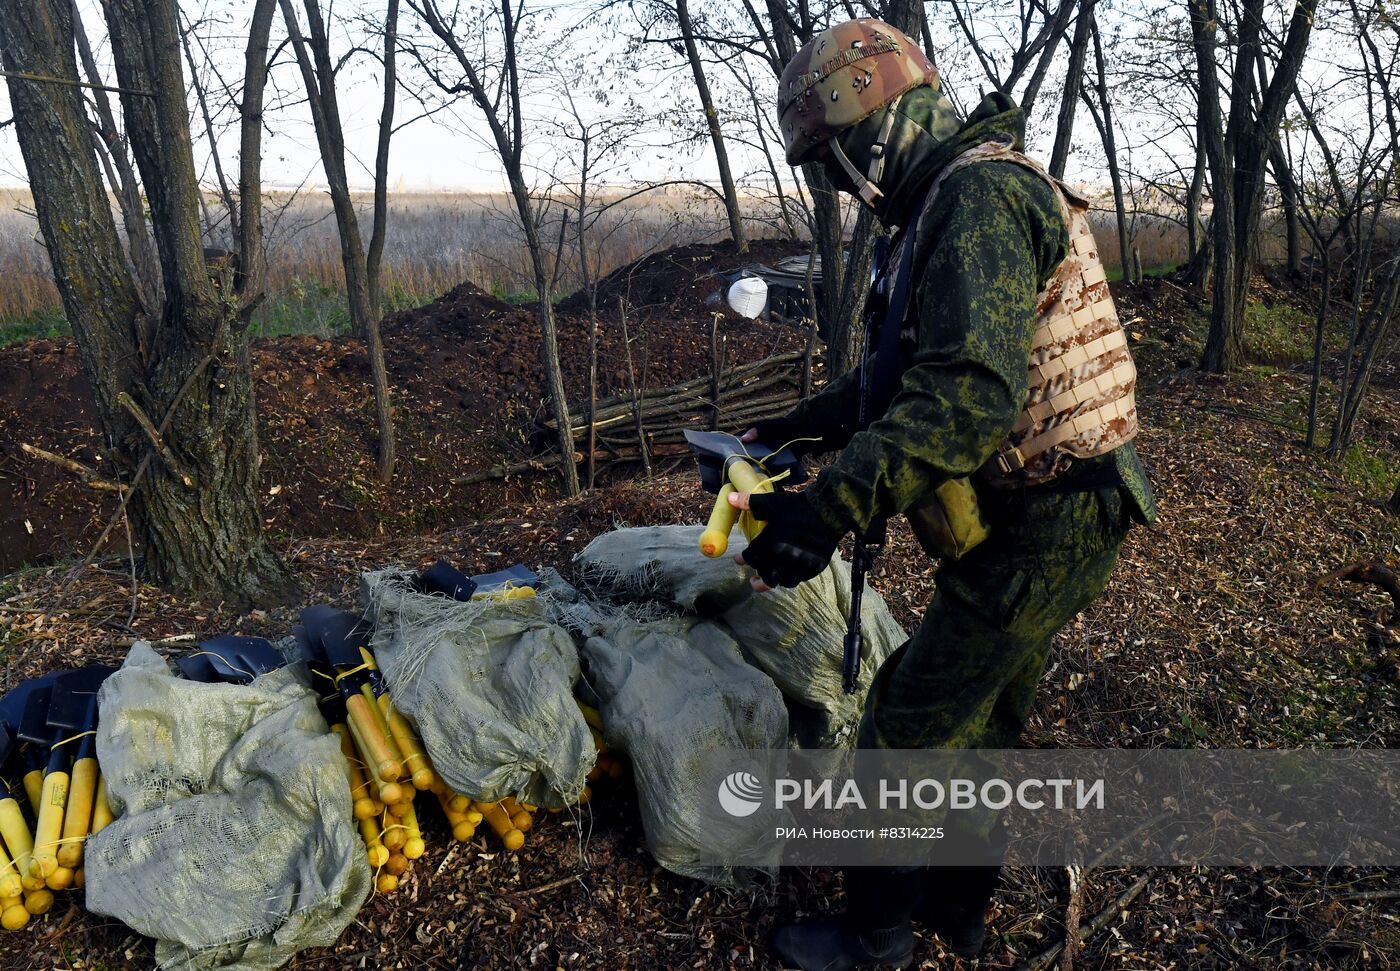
(1002, 182)
(996, 186)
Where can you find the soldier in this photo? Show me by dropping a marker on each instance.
(1005, 434)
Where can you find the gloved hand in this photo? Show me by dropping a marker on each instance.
(795, 545)
(777, 432)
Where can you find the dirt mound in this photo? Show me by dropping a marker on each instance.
(468, 385)
(678, 280)
(464, 306)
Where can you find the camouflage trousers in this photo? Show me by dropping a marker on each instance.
(967, 677)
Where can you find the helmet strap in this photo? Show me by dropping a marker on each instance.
(869, 192)
(868, 185)
(877, 151)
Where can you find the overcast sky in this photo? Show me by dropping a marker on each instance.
(569, 40)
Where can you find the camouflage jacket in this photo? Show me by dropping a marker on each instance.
(990, 241)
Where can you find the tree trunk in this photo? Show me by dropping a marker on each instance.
(128, 188)
(1055, 28)
(1193, 203)
(318, 76)
(707, 103)
(1074, 80)
(1236, 152)
(1319, 331)
(1288, 199)
(591, 441)
(845, 270)
(1225, 346)
(549, 345)
(642, 448)
(1377, 331)
(196, 511)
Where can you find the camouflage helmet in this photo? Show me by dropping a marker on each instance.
(841, 77)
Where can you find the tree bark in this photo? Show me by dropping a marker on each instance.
(707, 103)
(1319, 332)
(197, 514)
(1193, 201)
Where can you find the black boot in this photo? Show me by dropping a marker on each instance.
(835, 944)
(955, 906)
(875, 931)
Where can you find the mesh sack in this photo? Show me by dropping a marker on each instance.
(235, 844)
(670, 691)
(795, 635)
(489, 685)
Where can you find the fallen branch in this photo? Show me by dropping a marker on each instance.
(1074, 912)
(1101, 920)
(157, 442)
(85, 473)
(544, 464)
(552, 885)
(1373, 573)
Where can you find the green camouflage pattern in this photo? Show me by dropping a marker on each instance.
(989, 242)
(843, 75)
(967, 678)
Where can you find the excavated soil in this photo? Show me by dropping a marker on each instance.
(468, 384)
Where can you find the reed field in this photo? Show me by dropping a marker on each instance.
(434, 242)
(438, 240)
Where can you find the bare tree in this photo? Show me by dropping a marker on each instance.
(1326, 207)
(1102, 113)
(732, 206)
(362, 269)
(593, 146)
(171, 383)
(1037, 31)
(1074, 82)
(499, 98)
(1236, 147)
(1370, 332)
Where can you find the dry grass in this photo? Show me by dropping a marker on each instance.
(435, 241)
(438, 240)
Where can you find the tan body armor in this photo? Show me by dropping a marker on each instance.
(1079, 401)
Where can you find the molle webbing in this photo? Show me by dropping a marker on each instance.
(1080, 380)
